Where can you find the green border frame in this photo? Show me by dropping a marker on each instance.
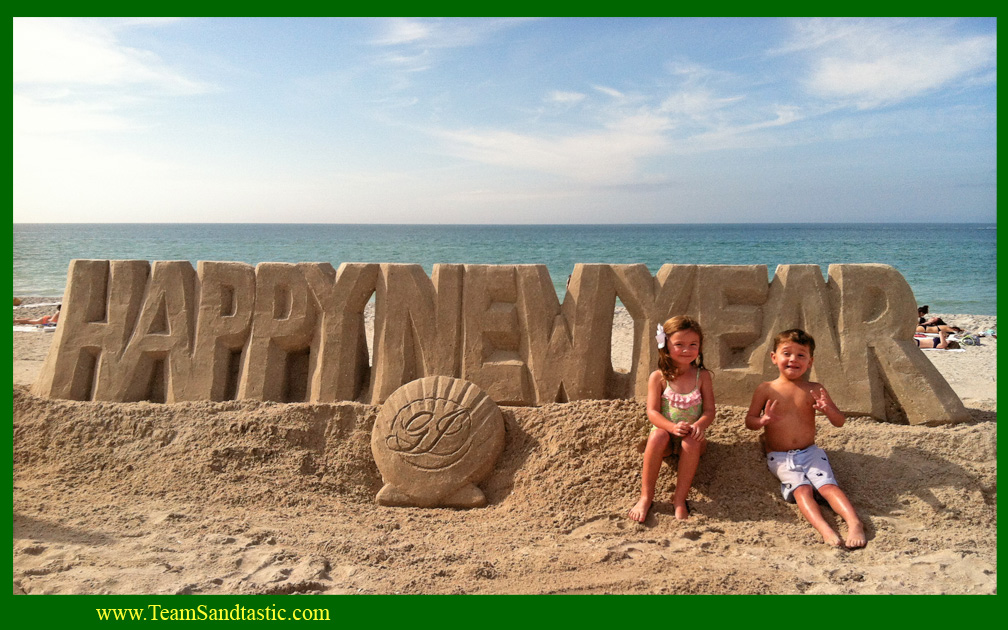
(441, 612)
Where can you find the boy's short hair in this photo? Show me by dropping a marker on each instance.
(796, 335)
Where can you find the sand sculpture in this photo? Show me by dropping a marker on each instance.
(434, 439)
(133, 330)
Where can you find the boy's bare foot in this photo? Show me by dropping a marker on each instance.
(856, 536)
(639, 512)
(682, 512)
(829, 535)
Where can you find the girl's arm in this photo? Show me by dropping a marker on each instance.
(654, 393)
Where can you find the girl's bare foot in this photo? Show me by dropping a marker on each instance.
(833, 539)
(682, 511)
(856, 536)
(639, 512)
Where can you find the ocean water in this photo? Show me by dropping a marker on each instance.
(952, 268)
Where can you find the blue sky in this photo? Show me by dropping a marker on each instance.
(484, 120)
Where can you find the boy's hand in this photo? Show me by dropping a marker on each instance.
(820, 402)
(768, 414)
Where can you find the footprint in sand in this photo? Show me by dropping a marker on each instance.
(603, 523)
(971, 572)
(623, 551)
(275, 572)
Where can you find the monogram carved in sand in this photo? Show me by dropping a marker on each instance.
(431, 433)
(434, 440)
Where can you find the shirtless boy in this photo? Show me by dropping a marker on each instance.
(785, 409)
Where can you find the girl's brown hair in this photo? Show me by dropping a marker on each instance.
(671, 326)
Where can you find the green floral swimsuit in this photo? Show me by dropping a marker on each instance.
(682, 407)
(678, 407)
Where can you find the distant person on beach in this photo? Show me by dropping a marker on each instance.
(927, 324)
(940, 342)
(680, 406)
(41, 321)
(785, 409)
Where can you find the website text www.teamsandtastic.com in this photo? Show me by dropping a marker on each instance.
(156, 612)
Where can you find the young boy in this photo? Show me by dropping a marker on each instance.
(785, 409)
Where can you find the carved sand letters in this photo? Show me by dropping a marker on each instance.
(133, 330)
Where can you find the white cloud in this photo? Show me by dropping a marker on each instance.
(47, 118)
(565, 98)
(608, 156)
(442, 32)
(692, 73)
(411, 45)
(876, 62)
(408, 63)
(77, 90)
(85, 52)
(608, 91)
(696, 104)
(618, 148)
(403, 31)
(73, 75)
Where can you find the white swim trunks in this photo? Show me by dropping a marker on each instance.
(800, 467)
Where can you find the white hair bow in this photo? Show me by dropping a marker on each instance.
(660, 336)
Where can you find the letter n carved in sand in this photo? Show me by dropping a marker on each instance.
(418, 325)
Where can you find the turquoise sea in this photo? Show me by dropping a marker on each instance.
(952, 268)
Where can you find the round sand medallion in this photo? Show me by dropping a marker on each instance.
(433, 440)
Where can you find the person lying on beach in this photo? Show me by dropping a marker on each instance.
(785, 409)
(41, 321)
(927, 324)
(680, 407)
(941, 342)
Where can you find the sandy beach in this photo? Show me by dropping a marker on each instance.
(267, 498)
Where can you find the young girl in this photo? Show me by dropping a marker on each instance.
(680, 405)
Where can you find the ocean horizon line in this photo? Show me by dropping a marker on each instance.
(580, 225)
(964, 281)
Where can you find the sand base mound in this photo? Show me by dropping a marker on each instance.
(246, 497)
